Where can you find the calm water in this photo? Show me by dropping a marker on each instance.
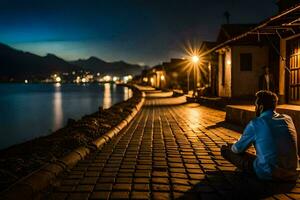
(31, 110)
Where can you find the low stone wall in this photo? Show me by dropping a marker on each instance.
(43, 159)
(177, 93)
(242, 115)
(213, 102)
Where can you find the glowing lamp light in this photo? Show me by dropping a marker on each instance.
(83, 80)
(77, 79)
(58, 79)
(145, 79)
(152, 80)
(195, 59)
(115, 78)
(26, 81)
(228, 62)
(162, 77)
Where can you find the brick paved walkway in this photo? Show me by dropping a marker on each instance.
(170, 151)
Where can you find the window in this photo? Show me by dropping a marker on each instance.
(294, 75)
(246, 62)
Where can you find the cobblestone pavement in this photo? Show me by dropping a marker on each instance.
(170, 150)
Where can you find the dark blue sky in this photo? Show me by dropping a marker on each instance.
(137, 31)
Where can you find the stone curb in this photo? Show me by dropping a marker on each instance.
(116, 130)
(30, 186)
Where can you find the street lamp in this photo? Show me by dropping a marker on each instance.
(195, 60)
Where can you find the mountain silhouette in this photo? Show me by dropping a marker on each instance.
(18, 65)
(97, 65)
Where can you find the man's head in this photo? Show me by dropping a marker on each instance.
(265, 100)
(266, 69)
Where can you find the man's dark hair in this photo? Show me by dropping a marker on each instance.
(266, 98)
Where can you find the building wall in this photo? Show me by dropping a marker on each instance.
(282, 64)
(213, 76)
(153, 80)
(157, 79)
(224, 90)
(245, 83)
(161, 79)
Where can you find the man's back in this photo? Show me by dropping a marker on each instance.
(275, 139)
(275, 144)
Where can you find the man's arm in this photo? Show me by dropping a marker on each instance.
(245, 140)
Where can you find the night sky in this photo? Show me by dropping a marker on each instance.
(137, 31)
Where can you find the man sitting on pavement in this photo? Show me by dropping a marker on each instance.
(275, 140)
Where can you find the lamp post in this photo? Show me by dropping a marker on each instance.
(188, 81)
(195, 60)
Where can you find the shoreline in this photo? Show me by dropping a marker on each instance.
(20, 160)
(38, 82)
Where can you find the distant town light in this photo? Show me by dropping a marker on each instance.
(55, 75)
(115, 78)
(107, 78)
(127, 78)
(73, 72)
(77, 79)
(83, 80)
(145, 79)
(26, 81)
(58, 79)
(89, 77)
(98, 74)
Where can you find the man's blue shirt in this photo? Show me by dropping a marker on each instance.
(275, 140)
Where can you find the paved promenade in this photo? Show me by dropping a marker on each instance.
(171, 150)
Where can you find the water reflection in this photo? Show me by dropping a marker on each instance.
(114, 87)
(50, 106)
(57, 108)
(106, 96)
(127, 93)
(57, 85)
(130, 93)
